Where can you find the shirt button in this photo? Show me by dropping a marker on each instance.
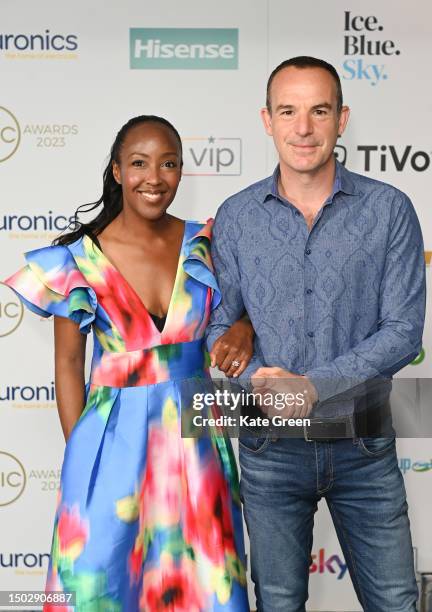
(308, 291)
(297, 213)
(308, 251)
(311, 334)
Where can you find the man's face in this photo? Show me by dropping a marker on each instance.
(304, 120)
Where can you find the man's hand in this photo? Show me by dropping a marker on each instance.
(280, 382)
(235, 345)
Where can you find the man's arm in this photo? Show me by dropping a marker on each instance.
(401, 314)
(231, 307)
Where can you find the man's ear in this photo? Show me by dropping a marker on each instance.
(267, 120)
(343, 119)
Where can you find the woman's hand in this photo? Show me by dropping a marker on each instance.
(234, 347)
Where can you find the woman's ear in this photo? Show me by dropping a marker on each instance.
(116, 172)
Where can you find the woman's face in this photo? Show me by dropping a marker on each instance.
(149, 169)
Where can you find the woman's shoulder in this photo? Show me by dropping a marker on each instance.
(51, 283)
(199, 229)
(55, 255)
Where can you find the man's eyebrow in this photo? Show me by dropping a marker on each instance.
(314, 107)
(284, 107)
(322, 105)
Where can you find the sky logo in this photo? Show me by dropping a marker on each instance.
(334, 564)
(364, 42)
(184, 48)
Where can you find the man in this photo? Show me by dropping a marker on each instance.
(329, 266)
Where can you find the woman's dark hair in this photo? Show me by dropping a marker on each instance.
(111, 198)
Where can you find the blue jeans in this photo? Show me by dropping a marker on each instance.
(281, 484)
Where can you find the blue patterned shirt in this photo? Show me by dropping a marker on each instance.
(341, 303)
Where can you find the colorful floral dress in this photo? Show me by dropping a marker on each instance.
(146, 519)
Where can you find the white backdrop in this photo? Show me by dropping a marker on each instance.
(67, 87)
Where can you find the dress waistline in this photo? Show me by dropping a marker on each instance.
(149, 366)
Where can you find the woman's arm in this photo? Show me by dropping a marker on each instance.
(236, 344)
(70, 346)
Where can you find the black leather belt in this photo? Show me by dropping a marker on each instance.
(321, 430)
(329, 429)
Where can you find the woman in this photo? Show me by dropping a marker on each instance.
(146, 519)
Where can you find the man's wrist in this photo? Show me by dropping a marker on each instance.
(311, 390)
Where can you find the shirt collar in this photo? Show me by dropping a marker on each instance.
(343, 182)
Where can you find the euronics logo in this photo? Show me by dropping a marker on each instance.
(184, 48)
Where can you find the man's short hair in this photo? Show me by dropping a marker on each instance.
(304, 61)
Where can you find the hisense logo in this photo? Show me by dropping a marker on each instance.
(184, 48)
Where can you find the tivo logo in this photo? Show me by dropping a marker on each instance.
(184, 48)
(387, 157)
(212, 156)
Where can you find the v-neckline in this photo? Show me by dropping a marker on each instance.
(132, 290)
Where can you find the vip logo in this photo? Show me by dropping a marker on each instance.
(212, 156)
(11, 311)
(334, 564)
(10, 134)
(12, 478)
(184, 48)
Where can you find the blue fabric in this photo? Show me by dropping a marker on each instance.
(281, 484)
(342, 303)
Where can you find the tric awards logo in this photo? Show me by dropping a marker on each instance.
(54, 136)
(184, 48)
(11, 311)
(12, 478)
(210, 156)
(10, 134)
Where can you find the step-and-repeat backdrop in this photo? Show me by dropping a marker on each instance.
(72, 74)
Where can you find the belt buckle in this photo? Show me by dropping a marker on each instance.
(305, 433)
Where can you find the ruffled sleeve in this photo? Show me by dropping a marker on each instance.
(52, 284)
(198, 263)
